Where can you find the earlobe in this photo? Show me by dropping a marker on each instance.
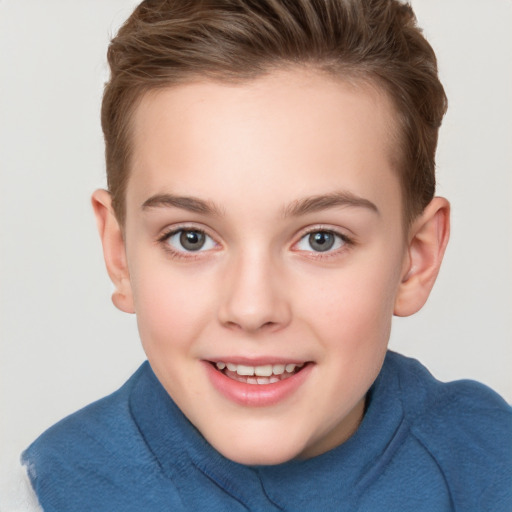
(113, 250)
(428, 238)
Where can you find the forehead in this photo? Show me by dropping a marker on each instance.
(297, 131)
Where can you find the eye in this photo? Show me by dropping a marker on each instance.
(321, 241)
(190, 240)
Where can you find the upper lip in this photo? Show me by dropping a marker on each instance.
(256, 361)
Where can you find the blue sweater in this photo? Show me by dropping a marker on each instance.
(422, 446)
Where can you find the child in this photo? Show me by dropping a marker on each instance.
(270, 207)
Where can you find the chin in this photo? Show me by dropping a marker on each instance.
(258, 455)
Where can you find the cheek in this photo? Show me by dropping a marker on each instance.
(353, 307)
(170, 306)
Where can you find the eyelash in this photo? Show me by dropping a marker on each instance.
(347, 242)
(186, 255)
(192, 255)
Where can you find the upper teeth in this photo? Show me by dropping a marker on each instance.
(260, 371)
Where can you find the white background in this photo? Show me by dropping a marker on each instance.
(64, 345)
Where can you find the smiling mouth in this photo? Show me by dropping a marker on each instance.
(262, 375)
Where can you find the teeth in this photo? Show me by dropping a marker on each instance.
(278, 369)
(244, 370)
(264, 371)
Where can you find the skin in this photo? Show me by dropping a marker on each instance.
(251, 155)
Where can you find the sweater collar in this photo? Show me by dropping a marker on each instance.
(336, 475)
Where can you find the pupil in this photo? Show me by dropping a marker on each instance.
(192, 240)
(321, 241)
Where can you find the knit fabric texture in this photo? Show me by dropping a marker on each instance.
(423, 445)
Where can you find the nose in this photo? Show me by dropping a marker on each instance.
(254, 295)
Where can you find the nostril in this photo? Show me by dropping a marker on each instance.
(265, 327)
(232, 325)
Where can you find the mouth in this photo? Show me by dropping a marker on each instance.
(258, 375)
(260, 385)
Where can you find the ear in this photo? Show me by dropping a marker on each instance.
(113, 250)
(428, 237)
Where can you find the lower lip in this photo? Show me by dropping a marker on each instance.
(256, 395)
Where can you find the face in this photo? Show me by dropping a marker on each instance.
(265, 248)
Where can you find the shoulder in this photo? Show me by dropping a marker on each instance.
(98, 446)
(92, 426)
(466, 428)
(464, 404)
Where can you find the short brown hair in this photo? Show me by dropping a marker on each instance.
(168, 42)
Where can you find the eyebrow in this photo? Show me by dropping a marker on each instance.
(323, 202)
(295, 209)
(191, 204)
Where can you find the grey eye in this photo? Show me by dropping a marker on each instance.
(320, 241)
(190, 240)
